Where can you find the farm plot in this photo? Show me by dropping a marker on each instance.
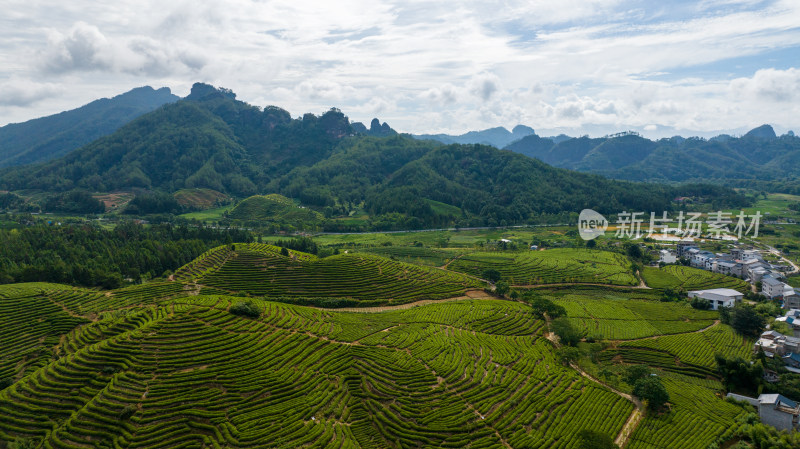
(691, 354)
(31, 326)
(416, 255)
(678, 277)
(550, 267)
(626, 319)
(697, 417)
(192, 374)
(262, 270)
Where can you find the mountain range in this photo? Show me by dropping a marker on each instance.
(211, 140)
(759, 159)
(49, 137)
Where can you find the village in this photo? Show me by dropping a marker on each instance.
(769, 280)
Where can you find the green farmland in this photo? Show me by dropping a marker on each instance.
(551, 266)
(414, 361)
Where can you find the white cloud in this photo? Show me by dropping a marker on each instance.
(21, 92)
(422, 66)
(85, 48)
(779, 86)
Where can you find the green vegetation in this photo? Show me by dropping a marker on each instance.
(92, 256)
(677, 277)
(49, 137)
(210, 140)
(551, 266)
(274, 208)
(261, 269)
(200, 198)
(759, 159)
(299, 376)
(691, 354)
(615, 317)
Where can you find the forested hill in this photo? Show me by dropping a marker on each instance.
(759, 159)
(47, 138)
(211, 140)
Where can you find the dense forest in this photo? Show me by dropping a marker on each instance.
(95, 257)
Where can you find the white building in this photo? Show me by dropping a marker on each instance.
(666, 256)
(771, 287)
(718, 297)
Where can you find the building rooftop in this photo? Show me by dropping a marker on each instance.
(718, 291)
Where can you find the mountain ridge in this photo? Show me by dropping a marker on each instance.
(49, 137)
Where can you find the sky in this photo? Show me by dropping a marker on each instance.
(700, 67)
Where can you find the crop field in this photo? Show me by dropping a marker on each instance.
(683, 278)
(260, 269)
(697, 418)
(626, 319)
(551, 266)
(191, 374)
(416, 255)
(691, 354)
(152, 366)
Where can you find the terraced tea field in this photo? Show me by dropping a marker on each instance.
(678, 277)
(691, 353)
(416, 255)
(625, 319)
(563, 265)
(159, 365)
(260, 269)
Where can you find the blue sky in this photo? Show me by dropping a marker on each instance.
(573, 66)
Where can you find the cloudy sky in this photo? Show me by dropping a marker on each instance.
(576, 66)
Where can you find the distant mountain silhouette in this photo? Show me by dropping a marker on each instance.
(49, 137)
(497, 137)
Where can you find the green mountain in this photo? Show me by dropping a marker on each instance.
(759, 159)
(210, 140)
(47, 138)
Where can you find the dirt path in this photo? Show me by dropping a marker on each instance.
(641, 285)
(469, 294)
(638, 411)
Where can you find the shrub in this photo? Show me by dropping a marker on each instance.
(245, 309)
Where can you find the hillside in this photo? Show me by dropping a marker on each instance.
(759, 159)
(273, 208)
(47, 138)
(158, 362)
(261, 269)
(210, 140)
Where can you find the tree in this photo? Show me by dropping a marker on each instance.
(744, 319)
(566, 333)
(284, 252)
(246, 309)
(591, 243)
(636, 372)
(501, 288)
(700, 303)
(542, 306)
(491, 275)
(592, 439)
(738, 374)
(569, 355)
(651, 390)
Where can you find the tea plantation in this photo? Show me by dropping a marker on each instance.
(218, 356)
(562, 265)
